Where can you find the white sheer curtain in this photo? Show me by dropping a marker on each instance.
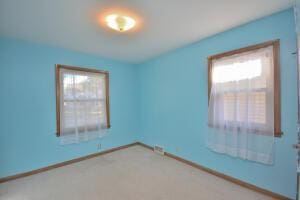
(241, 106)
(82, 106)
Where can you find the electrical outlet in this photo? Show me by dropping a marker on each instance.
(99, 146)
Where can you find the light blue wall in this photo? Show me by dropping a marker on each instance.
(173, 103)
(171, 94)
(27, 108)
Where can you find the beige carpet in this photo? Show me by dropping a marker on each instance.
(135, 173)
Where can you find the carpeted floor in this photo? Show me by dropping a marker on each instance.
(135, 173)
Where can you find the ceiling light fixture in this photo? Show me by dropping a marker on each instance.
(119, 23)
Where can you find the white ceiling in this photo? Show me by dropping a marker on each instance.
(167, 24)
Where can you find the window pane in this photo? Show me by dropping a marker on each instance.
(83, 87)
(245, 107)
(68, 86)
(236, 70)
(229, 107)
(257, 103)
(69, 115)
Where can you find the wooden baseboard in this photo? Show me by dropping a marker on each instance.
(21, 175)
(218, 174)
(221, 175)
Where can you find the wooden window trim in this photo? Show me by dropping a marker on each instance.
(277, 101)
(57, 81)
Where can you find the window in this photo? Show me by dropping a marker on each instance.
(82, 98)
(244, 89)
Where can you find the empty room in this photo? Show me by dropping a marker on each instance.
(149, 99)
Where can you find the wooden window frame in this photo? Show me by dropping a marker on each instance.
(57, 81)
(277, 101)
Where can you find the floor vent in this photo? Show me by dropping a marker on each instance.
(159, 150)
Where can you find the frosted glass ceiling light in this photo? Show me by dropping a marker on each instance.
(119, 23)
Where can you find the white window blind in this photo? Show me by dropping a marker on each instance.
(83, 106)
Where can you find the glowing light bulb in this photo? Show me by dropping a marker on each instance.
(120, 23)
